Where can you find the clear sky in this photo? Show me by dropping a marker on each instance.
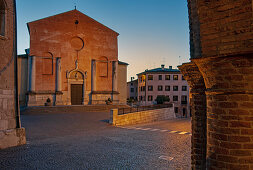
(152, 32)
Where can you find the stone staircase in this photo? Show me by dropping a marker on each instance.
(69, 109)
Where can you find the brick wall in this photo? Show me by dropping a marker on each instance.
(220, 27)
(141, 117)
(225, 60)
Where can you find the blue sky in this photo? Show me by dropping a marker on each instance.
(152, 32)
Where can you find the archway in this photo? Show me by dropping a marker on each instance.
(76, 87)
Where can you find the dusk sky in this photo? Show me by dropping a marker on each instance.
(152, 32)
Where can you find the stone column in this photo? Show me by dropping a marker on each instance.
(93, 75)
(83, 102)
(114, 79)
(114, 76)
(229, 83)
(195, 80)
(32, 73)
(58, 75)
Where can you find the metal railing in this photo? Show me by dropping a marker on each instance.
(127, 110)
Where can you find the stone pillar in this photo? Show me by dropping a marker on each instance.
(83, 102)
(114, 76)
(195, 80)
(93, 75)
(229, 83)
(32, 73)
(58, 75)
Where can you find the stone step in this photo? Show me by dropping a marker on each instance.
(70, 109)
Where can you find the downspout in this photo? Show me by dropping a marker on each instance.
(17, 111)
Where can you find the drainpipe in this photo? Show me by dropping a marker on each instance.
(17, 111)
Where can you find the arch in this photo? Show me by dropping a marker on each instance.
(103, 66)
(76, 77)
(72, 74)
(2, 17)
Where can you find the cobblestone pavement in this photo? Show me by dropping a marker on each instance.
(87, 141)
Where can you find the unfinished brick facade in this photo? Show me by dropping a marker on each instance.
(221, 38)
(11, 133)
(73, 60)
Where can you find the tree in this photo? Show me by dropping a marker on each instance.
(161, 99)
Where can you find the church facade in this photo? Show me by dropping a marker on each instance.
(73, 60)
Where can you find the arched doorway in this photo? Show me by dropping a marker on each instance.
(76, 87)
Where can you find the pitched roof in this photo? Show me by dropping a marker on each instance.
(160, 70)
(71, 11)
(122, 63)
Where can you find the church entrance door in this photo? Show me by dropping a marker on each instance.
(76, 94)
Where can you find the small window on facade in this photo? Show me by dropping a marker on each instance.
(160, 88)
(143, 78)
(168, 97)
(175, 98)
(150, 77)
(167, 77)
(175, 77)
(167, 88)
(183, 78)
(150, 88)
(175, 88)
(2, 18)
(150, 98)
(176, 109)
(144, 88)
(184, 98)
(184, 88)
(160, 77)
(132, 90)
(131, 84)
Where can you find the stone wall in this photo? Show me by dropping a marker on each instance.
(10, 132)
(141, 117)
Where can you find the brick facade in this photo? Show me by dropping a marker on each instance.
(10, 132)
(222, 48)
(72, 49)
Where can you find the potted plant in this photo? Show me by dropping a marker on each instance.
(48, 102)
(108, 101)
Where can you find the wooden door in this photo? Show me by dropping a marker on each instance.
(76, 94)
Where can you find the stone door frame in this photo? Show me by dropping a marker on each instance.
(76, 81)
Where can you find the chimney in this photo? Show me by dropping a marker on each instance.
(162, 66)
(170, 67)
